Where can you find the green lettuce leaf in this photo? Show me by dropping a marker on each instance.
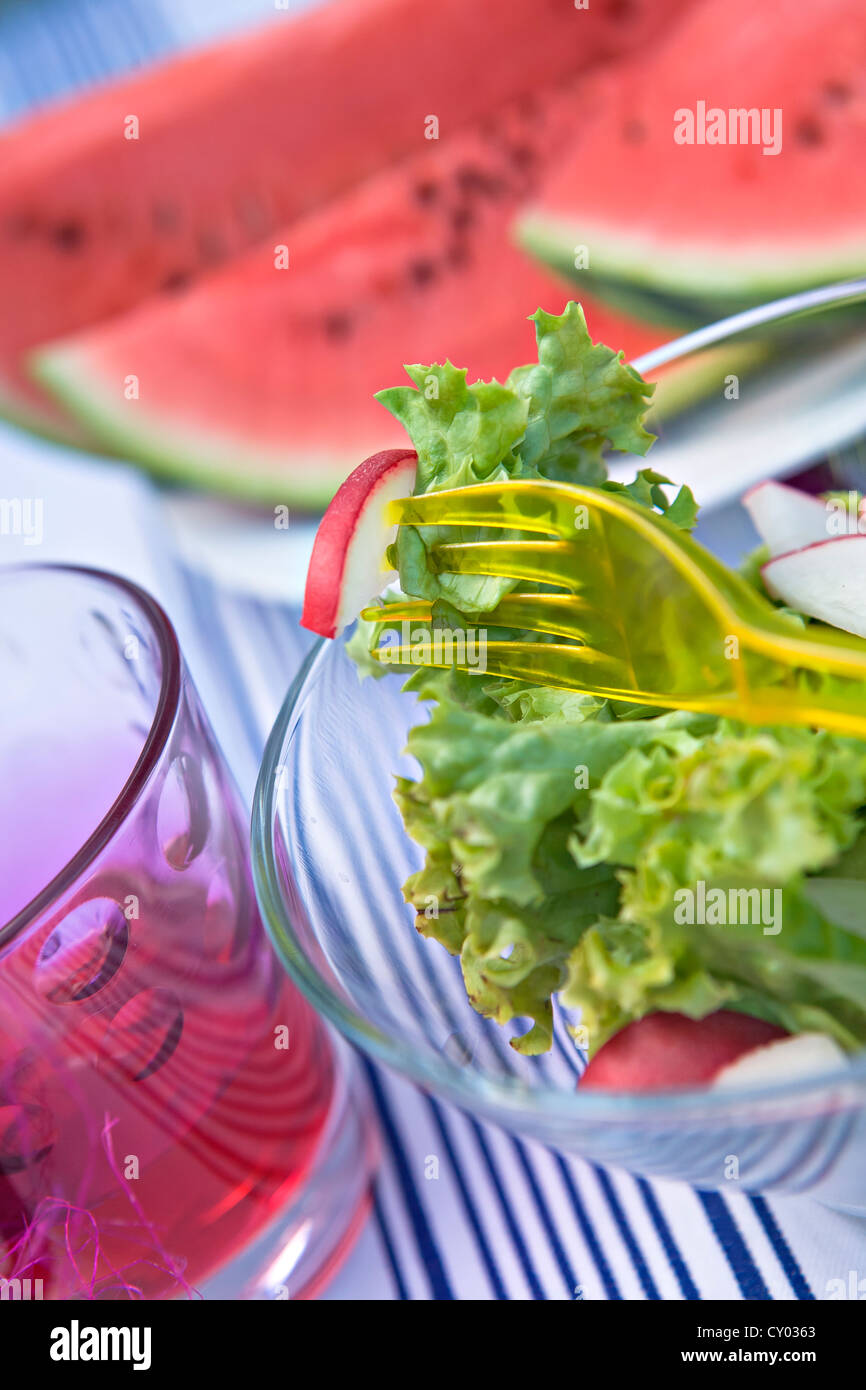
(558, 835)
(501, 797)
(561, 831)
(746, 810)
(461, 433)
(555, 418)
(582, 399)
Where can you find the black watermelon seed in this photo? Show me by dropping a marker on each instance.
(809, 132)
(634, 132)
(462, 218)
(837, 93)
(472, 180)
(620, 10)
(422, 272)
(425, 193)
(338, 326)
(522, 156)
(175, 280)
(68, 236)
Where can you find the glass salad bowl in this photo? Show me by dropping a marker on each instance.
(330, 855)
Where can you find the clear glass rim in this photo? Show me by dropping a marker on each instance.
(512, 1099)
(792, 306)
(150, 752)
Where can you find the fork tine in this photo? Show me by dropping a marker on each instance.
(718, 645)
(412, 608)
(562, 615)
(591, 672)
(550, 562)
(546, 663)
(544, 507)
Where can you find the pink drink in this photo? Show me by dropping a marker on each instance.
(163, 1087)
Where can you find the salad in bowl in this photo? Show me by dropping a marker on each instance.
(660, 909)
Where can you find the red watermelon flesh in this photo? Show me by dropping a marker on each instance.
(261, 380)
(724, 224)
(244, 137)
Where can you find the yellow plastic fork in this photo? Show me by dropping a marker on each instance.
(640, 611)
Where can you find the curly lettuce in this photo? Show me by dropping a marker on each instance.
(561, 830)
(557, 841)
(556, 418)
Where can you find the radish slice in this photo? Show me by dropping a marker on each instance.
(786, 518)
(668, 1049)
(726, 1050)
(346, 567)
(786, 1059)
(826, 581)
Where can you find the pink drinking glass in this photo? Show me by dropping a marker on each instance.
(167, 1098)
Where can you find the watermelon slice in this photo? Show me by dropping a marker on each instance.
(232, 142)
(260, 382)
(689, 231)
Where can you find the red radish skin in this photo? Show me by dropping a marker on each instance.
(345, 566)
(666, 1050)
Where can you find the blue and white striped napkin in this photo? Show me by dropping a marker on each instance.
(502, 1219)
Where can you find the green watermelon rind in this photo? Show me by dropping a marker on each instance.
(180, 459)
(679, 313)
(689, 384)
(13, 412)
(700, 280)
(183, 457)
